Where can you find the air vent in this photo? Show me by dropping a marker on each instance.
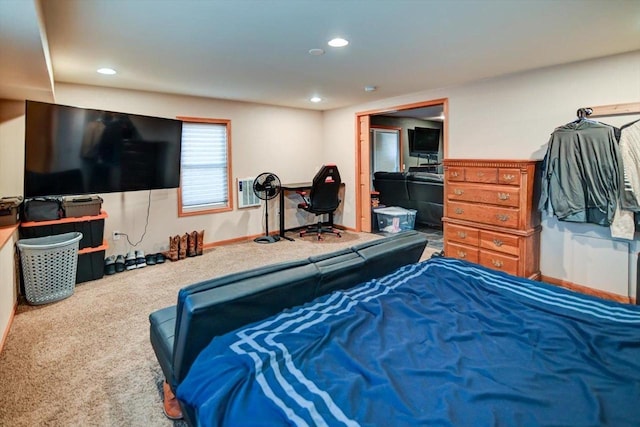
(246, 196)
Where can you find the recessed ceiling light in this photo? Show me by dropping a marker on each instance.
(315, 99)
(338, 42)
(107, 71)
(316, 52)
(370, 88)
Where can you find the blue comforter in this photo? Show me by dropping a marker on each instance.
(439, 343)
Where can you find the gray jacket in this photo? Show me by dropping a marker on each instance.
(582, 176)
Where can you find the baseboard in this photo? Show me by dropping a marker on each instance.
(587, 290)
(5, 334)
(211, 245)
(234, 240)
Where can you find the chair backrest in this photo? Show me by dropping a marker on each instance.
(323, 196)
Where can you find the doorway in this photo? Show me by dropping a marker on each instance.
(364, 154)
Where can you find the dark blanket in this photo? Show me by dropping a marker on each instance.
(440, 343)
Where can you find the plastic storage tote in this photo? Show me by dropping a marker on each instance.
(81, 206)
(395, 219)
(9, 210)
(49, 266)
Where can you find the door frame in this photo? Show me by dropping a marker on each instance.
(363, 154)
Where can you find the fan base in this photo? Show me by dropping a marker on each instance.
(267, 239)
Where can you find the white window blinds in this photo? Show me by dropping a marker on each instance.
(204, 166)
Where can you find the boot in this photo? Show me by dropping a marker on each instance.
(182, 252)
(200, 243)
(171, 406)
(174, 245)
(191, 249)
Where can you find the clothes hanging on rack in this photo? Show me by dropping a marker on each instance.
(630, 152)
(624, 225)
(581, 174)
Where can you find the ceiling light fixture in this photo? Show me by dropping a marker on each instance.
(315, 99)
(370, 88)
(106, 71)
(338, 42)
(316, 52)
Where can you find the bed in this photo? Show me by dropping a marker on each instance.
(438, 343)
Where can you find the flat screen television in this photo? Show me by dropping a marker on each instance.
(423, 142)
(70, 150)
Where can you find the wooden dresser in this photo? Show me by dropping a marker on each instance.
(491, 216)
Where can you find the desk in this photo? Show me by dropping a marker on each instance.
(297, 186)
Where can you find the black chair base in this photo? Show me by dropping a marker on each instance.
(319, 229)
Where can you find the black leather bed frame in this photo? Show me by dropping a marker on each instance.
(220, 305)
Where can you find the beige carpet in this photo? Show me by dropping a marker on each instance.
(87, 360)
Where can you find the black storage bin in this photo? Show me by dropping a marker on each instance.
(90, 266)
(92, 231)
(42, 209)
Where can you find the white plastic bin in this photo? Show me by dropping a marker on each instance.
(49, 266)
(395, 219)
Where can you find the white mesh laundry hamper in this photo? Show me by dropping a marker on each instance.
(49, 266)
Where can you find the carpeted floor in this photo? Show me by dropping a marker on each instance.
(87, 360)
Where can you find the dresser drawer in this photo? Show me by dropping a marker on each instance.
(500, 242)
(458, 233)
(455, 174)
(478, 174)
(496, 261)
(509, 176)
(494, 215)
(500, 195)
(455, 250)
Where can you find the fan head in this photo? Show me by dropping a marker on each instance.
(266, 186)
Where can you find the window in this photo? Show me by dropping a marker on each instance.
(205, 167)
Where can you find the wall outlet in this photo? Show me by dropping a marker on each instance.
(115, 235)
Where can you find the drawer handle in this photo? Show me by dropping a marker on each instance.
(497, 263)
(504, 196)
(508, 177)
(454, 174)
(480, 174)
(458, 192)
(462, 254)
(502, 217)
(459, 211)
(462, 234)
(498, 242)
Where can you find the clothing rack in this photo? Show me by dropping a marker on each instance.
(609, 110)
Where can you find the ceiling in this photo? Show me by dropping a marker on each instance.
(431, 112)
(257, 50)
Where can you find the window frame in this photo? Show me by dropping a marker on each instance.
(229, 207)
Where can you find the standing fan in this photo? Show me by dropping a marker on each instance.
(266, 187)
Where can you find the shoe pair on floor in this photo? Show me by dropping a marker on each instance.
(117, 264)
(187, 245)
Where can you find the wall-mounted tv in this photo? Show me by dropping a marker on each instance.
(423, 141)
(70, 150)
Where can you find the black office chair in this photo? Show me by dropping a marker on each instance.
(322, 199)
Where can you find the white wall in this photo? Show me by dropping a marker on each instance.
(8, 284)
(11, 173)
(11, 147)
(511, 117)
